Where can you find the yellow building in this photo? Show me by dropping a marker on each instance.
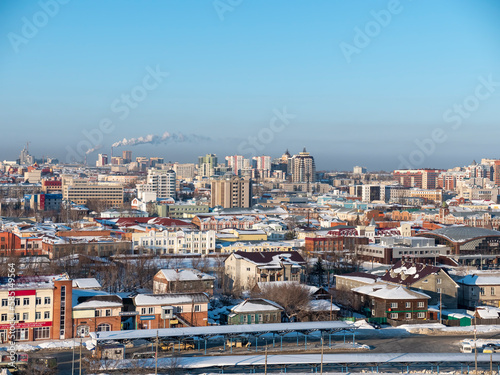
(80, 191)
(233, 235)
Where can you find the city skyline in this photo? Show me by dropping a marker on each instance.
(380, 84)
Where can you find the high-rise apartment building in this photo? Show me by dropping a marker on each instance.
(184, 171)
(231, 191)
(206, 165)
(163, 182)
(102, 160)
(302, 167)
(127, 157)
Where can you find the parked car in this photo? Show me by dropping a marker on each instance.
(491, 348)
(376, 325)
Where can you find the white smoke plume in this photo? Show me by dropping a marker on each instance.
(159, 139)
(90, 150)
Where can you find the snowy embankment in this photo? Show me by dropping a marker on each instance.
(56, 345)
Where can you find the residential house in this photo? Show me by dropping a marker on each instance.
(382, 300)
(477, 290)
(244, 269)
(186, 280)
(254, 311)
(433, 281)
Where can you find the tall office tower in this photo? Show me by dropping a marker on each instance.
(163, 182)
(206, 165)
(302, 167)
(231, 191)
(127, 157)
(102, 160)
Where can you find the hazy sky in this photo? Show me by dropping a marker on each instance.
(356, 82)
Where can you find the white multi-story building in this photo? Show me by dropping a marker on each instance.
(163, 182)
(179, 242)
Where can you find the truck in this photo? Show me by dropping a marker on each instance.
(183, 345)
(238, 343)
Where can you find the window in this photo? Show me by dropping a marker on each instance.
(421, 315)
(103, 327)
(108, 312)
(420, 304)
(4, 318)
(46, 315)
(197, 308)
(244, 318)
(143, 311)
(38, 301)
(47, 300)
(16, 317)
(26, 301)
(17, 301)
(38, 315)
(408, 305)
(394, 305)
(41, 333)
(5, 302)
(482, 291)
(492, 290)
(439, 281)
(178, 309)
(439, 290)
(394, 315)
(26, 316)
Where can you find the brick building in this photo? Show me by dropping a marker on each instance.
(324, 244)
(171, 310)
(97, 314)
(42, 308)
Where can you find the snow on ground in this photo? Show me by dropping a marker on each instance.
(56, 344)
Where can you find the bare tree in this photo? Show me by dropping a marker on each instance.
(294, 298)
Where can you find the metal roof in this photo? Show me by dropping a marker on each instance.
(464, 233)
(221, 330)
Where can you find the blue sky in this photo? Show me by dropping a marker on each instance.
(231, 67)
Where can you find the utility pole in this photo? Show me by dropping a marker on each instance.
(331, 309)
(73, 360)
(440, 305)
(156, 354)
(265, 362)
(80, 365)
(322, 351)
(475, 344)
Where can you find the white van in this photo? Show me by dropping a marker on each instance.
(467, 347)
